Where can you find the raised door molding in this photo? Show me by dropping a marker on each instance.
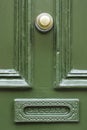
(66, 75)
(20, 75)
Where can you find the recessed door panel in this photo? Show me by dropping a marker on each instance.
(6, 34)
(71, 70)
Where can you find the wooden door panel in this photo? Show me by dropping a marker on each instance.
(71, 64)
(6, 34)
(15, 65)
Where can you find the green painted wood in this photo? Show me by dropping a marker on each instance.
(43, 52)
(20, 47)
(6, 34)
(70, 63)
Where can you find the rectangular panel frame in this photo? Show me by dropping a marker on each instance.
(20, 75)
(66, 76)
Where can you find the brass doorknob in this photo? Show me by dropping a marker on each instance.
(44, 22)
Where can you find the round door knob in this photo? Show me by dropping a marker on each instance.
(44, 22)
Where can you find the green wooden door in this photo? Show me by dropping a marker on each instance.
(43, 75)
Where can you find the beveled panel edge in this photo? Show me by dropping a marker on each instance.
(63, 40)
(66, 76)
(42, 105)
(75, 73)
(20, 75)
(13, 83)
(22, 40)
(73, 83)
(10, 78)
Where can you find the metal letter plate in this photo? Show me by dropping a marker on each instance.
(46, 110)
